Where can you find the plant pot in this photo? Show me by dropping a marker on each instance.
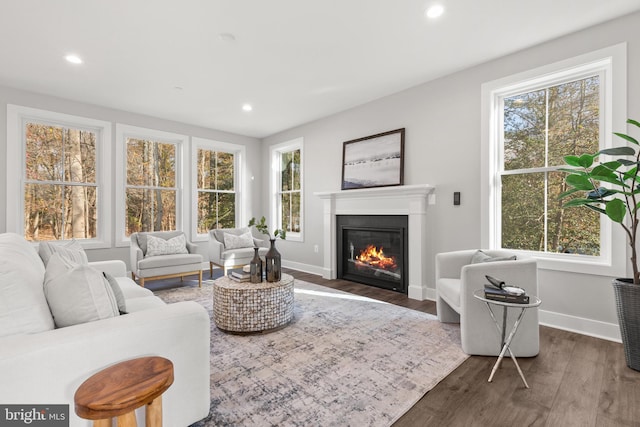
(628, 307)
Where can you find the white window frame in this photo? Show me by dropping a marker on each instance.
(17, 117)
(127, 131)
(274, 185)
(239, 153)
(610, 64)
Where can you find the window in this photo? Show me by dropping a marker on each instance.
(287, 185)
(59, 159)
(534, 120)
(539, 128)
(217, 186)
(150, 177)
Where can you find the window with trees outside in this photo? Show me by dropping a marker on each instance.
(540, 127)
(151, 187)
(216, 190)
(59, 194)
(287, 159)
(60, 186)
(534, 120)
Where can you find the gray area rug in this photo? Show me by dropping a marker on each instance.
(344, 360)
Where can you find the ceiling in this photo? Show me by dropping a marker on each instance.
(294, 61)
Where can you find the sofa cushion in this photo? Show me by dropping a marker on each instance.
(71, 250)
(233, 241)
(169, 261)
(219, 233)
(77, 293)
(23, 307)
(158, 246)
(142, 237)
(480, 256)
(117, 292)
(449, 290)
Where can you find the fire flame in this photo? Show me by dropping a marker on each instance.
(375, 257)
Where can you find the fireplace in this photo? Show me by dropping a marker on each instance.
(410, 201)
(373, 249)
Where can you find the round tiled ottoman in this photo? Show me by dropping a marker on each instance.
(252, 307)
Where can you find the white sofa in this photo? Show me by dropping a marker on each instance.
(46, 365)
(457, 278)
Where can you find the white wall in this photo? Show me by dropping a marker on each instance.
(28, 99)
(442, 148)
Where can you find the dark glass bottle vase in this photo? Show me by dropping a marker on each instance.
(255, 272)
(272, 263)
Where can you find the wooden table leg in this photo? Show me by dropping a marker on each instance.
(127, 420)
(153, 414)
(103, 423)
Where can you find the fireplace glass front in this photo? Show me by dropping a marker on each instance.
(372, 249)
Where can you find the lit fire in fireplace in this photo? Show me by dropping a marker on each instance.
(375, 257)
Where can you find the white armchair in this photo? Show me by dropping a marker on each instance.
(147, 267)
(456, 281)
(233, 247)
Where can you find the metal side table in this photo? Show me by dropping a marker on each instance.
(534, 302)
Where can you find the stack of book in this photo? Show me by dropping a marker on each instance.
(497, 290)
(239, 275)
(495, 294)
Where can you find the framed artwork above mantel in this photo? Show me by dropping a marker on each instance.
(373, 161)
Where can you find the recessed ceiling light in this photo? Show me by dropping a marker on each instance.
(247, 107)
(434, 11)
(74, 59)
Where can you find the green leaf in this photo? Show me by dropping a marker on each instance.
(615, 210)
(568, 193)
(586, 160)
(596, 208)
(627, 137)
(618, 151)
(633, 122)
(578, 202)
(572, 160)
(626, 162)
(579, 182)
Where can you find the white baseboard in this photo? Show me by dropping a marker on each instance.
(306, 268)
(580, 325)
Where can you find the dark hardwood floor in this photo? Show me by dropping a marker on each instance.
(576, 380)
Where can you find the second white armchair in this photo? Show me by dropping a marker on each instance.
(458, 277)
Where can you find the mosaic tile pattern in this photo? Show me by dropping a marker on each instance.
(252, 307)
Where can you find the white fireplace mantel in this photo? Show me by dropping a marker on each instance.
(410, 200)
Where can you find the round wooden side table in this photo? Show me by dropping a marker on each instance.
(252, 307)
(117, 391)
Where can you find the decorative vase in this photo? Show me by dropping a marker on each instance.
(255, 268)
(628, 307)
(272, 263)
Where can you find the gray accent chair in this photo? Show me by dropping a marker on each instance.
(456, 281)
(225, 258)
(163, 266)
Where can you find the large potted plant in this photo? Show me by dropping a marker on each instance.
(612, 188)
(273, 267)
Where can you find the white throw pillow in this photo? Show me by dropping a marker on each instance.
(232, 241)
(159, 246)
(23, 307)
(71, 250)
(77, 293)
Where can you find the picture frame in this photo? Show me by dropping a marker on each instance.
(373, 161)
